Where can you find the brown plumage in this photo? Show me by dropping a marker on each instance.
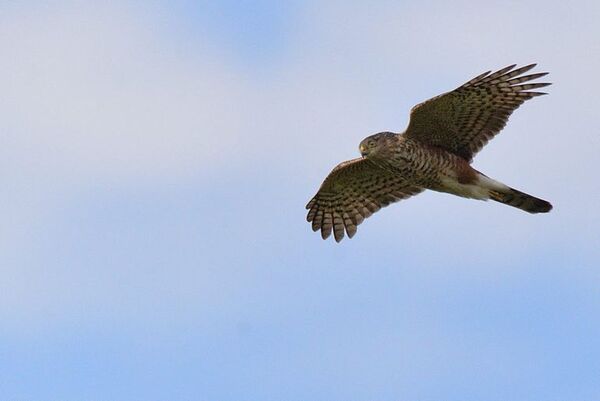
(521, 200)
(435, 151)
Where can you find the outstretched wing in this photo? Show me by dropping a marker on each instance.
(353, 191)
(464, 120)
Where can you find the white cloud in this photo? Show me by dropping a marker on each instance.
(108, 91)
(94, 91)
(95, 94)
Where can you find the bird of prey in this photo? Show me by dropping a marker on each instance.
(435, 152)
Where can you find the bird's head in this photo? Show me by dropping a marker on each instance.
(371, 145)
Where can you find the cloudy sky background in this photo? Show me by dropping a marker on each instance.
(155, 161)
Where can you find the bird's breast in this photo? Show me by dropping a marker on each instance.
(423, 164)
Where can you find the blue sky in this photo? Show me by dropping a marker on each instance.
(156, 159)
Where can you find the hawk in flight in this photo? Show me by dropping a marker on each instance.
(435, 152)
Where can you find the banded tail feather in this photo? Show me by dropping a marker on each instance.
(521, 200)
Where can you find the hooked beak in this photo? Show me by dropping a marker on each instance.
(363, 150)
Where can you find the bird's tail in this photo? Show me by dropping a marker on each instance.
(521, 200)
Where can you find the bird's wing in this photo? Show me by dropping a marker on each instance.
(353, 191)
(464, 120)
